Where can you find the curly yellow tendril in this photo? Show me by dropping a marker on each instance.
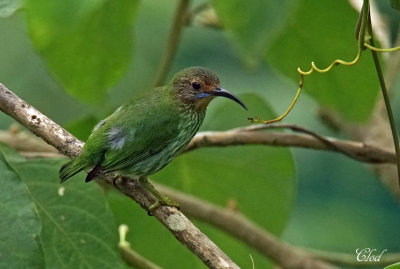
(258, 120)
(302, 74)
(306, 73)
(381, 50)
(362, 45)
(336, 62)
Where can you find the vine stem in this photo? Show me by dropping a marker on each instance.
(380, 49)
(364, 18)
(385, 97)
(173, 41)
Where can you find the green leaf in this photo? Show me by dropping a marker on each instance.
(87, 45)
(252, 24)
(258, 179)
(8, 7)
(322, 31)
(395, 4)
(19, 223)
(78, 229)
(393, 266)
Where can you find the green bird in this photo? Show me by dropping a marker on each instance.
(143, 136)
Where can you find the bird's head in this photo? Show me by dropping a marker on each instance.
(197, 86)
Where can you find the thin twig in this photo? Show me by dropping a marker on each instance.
(363, 26)
(173, 41)
(177, 223)
(236, 137)
(385, 97)
(329, 144)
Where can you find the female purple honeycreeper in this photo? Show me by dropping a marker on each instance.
(143, 136)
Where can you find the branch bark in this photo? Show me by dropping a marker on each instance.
(284, 255)
(180, 226)
(32, 147)
(357, 150)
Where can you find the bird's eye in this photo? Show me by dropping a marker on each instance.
(196, 85)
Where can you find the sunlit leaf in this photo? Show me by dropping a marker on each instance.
(322, 31)
(87, 45)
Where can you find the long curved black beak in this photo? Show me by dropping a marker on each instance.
(225, 93)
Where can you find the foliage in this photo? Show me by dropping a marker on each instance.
(96, 36)
(53, 226)
(78, 60)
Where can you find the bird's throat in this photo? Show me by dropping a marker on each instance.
(201, 104)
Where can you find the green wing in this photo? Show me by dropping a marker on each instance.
(136, 134)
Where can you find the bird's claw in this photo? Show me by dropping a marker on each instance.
(115, 178)
(164, 201)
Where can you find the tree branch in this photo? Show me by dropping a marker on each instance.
(180, 226)
(356, 150)
(33, 147)
(284, 255)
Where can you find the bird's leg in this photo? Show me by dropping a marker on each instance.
(161, 199)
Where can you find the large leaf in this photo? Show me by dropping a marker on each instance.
(78, 229)
(19, 223)
(258, 179)
(8, 7)
(252, 24)
(87, 45)
(323, 31)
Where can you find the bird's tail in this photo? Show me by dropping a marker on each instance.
(71, 168)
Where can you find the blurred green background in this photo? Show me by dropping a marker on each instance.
(313, 199)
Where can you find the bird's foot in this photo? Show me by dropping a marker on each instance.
(164, 201)
(115, 178)
(161, 199)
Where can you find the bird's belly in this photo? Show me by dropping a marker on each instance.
(155, 162)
